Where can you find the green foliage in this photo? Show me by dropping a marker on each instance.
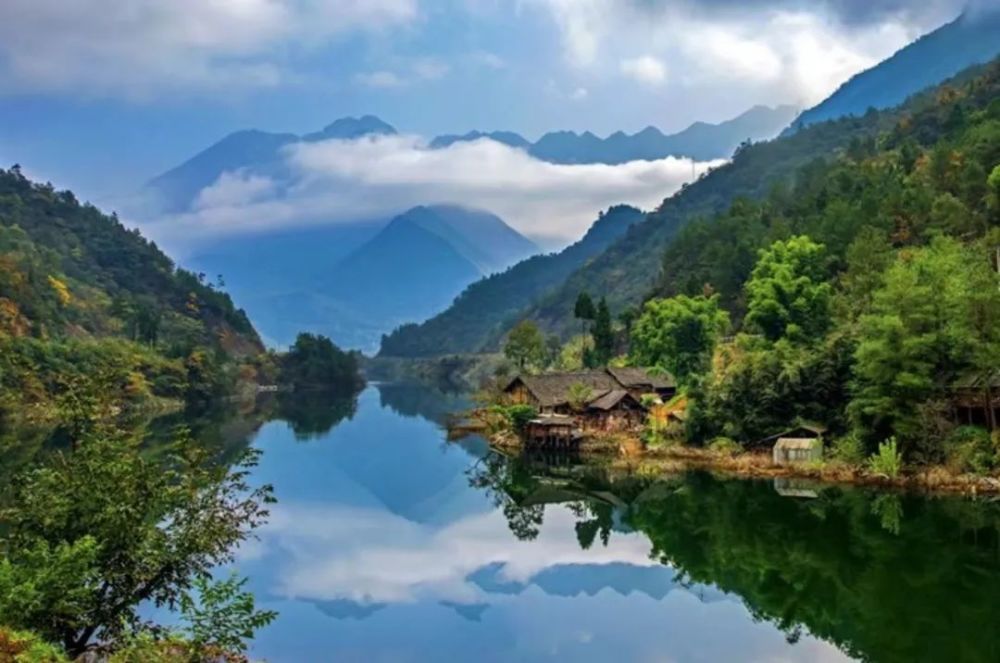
(971, 449)
(788, 296)
(724, 446)
(92, 535)
(849, 449)
(887, 461)
(519, 415)
(678, 334)
(579, 395)
(26, 647)
(80, 295)
(604, 337)
(223, 615)
(315, 362)
(936, 315)
(525, 345)
(584, 308)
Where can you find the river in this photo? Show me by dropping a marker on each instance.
(389, 543)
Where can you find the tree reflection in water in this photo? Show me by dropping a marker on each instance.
(884, 576)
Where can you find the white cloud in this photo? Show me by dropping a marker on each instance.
(145, 48)
(382, 176)
(380, 79)
(488, 59)
(235, 189)
(781, 51)
(645, 69)
(579, 94)
(421, 69)
(374, 556)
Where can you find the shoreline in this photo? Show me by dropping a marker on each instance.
(625, 453)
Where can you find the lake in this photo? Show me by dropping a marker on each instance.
(389, 543)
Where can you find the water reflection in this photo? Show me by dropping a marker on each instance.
(389, 543)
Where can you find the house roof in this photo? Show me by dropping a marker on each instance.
(554, 388)
(634, 378)
(804, 429)
(611, 399)
(792, 443)
(978, 380)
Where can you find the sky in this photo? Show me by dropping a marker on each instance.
(99, 96)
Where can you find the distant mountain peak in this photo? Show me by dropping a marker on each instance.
(347, 128)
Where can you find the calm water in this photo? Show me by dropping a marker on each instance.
(390, 544)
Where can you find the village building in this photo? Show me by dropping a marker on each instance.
(801, 444)
(605, 400)
(975, 398)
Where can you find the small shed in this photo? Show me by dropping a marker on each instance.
(789, 450)
(615, 410)
(552, 431)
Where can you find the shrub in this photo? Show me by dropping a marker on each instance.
(970, 449)
(849, 449)
(887, 461)
(509, 418)
(25, 647)
(724, 446)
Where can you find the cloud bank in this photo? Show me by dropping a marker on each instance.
(340, 181)
(142, 48)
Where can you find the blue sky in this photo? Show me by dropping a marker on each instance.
(100, 96)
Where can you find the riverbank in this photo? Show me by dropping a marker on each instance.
(627, 453)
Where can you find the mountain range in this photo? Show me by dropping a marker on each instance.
(627, 269)
(488, 306)
(356, 282)
(700, 141)
(261, 152)
(972, 38)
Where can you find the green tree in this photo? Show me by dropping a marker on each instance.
(678, 334)
(937, 315)
(604, 336)
(91, 536)
(525, 345)
(315, 362)
(584, 310)
(788, 296)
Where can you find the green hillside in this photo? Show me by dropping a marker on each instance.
(628, 271)
(489, 306)
(84, 299)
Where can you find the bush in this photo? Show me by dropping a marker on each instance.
(24, 647)
(849, 449)
(724, 446)
(970, 449)
(887, 461)
(513, 418)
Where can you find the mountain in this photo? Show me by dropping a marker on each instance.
(84, 300)
(256, 151)
(701, 140)
(489, 304)
(972, 38)
(506, 137)
(406, 270)
(628, 270)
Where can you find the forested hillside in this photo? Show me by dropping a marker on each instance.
(865, 294)
(971, 39)
(627, 271)
(489, 306)
(82, 297)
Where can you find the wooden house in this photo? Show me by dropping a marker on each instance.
(975, 398)
(553, 393)
(552, 431)
(801, 444)
(639, 382)
(615, 411)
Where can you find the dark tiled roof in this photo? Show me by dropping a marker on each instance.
(609, 400)
(554, 388)
(637, 378)
(978, 380)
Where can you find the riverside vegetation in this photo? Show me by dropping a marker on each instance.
(97, 327)
(857, 294)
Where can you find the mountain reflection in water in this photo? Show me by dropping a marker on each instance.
(389, 543)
